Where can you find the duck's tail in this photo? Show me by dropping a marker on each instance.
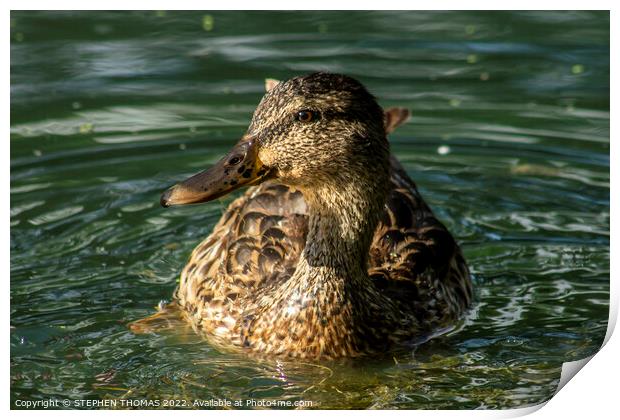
(168, 317)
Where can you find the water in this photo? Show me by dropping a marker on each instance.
(509, 144)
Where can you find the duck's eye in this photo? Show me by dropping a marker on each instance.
(306, 116)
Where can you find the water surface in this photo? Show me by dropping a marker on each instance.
(509, 144)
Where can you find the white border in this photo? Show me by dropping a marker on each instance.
(308, 5)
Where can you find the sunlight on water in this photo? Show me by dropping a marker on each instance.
(508, 143)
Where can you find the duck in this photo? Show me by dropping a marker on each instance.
(330, 252)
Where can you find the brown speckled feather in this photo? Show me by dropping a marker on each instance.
(257, 243)
(413, 257)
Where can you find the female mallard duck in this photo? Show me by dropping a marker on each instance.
(333, 252)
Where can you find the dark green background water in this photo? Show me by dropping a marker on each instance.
(509, 144)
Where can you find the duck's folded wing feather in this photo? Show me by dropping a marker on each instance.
(256, 244)
(413, 257)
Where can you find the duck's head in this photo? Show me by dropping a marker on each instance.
(306, 132)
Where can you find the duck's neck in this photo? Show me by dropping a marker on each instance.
(340, 227)
(342, 219)
(329, 306)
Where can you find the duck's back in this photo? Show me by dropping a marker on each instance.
(258, 241)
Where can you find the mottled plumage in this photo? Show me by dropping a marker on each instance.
(335, 253)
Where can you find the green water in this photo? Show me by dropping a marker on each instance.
(509, 144)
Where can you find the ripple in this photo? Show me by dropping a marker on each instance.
(16, 210)
(29, 188)
(55, 215)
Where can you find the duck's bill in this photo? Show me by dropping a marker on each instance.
(240, 167)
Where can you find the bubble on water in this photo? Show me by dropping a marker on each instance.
(208, 23)
(455, 102)
(86, 128)
(443, 150)
(577, 69)
(37, 152)
(513, 341)
(484, 76)
(472, 59)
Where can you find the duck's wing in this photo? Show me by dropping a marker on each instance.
(413, 257)
(256, 244)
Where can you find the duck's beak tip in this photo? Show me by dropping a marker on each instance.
(165, 199)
